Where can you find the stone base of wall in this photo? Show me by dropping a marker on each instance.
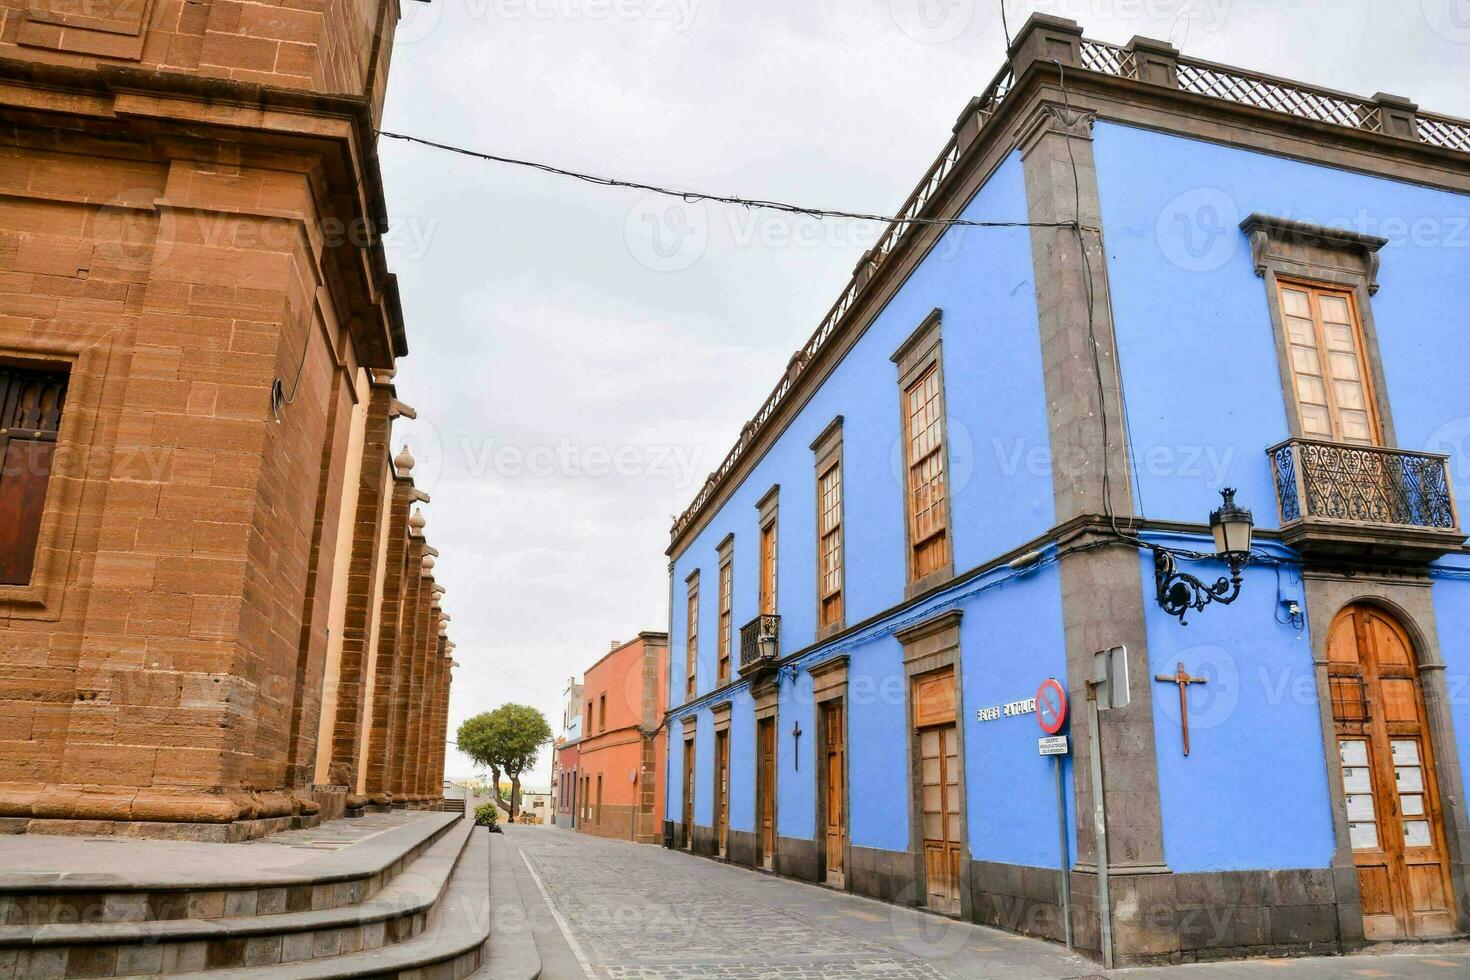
(705, 842)
(331, 800)
(609, 821)
(208, 833)
(798, 858)
(885, 875)
(1175, 918)
(742, 848)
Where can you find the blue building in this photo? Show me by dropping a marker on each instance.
(995, 463)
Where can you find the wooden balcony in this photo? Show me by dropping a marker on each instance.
(1351, 501)
(752, 660)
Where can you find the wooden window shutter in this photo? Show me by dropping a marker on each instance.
(30, 416)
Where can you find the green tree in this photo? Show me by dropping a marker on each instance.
(506, 739)
(475, 739)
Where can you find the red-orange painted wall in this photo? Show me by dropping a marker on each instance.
(623, 697)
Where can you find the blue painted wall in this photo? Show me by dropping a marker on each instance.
(1187, 303)
(982, 280)
(1452, 613)
(878, 746)
(796, 780)
(1256, 763)
(1011, 640)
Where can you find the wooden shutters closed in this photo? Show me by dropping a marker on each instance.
(829, 543)
(722, 791)
(834, 770)
(1329, 372)
(726, 637)
(939, 787)
(688, 792)
(31, 403)
(691, 640)
(768, 569)
(1390, 790)
(928, 509)
(766, 790)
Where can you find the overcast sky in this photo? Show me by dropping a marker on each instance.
(583, 356)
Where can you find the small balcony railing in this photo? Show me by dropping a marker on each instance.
(1343, 498)
(752, 657)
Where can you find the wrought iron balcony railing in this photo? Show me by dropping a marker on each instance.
(1337, 497)
(752, 652)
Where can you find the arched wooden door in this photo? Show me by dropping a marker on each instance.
(1395, 827)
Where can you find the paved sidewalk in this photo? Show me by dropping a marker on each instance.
(622, 911)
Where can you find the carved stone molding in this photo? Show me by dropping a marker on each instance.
(1281, 237)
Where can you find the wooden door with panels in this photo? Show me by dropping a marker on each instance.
(688, 793)
(766, 791)
(722, 792)
(834, 773)
(938, 785)
(1395, 825)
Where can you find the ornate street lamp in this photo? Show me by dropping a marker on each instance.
(1179, 592)
(768, 643)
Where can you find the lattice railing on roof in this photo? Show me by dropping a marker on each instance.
(1452, 134)
(1109, 59)
(1276, 95)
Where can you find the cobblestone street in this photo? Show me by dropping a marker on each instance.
(631, 912)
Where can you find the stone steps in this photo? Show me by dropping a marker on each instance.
(395, 914)
(452, 946)
(429, 918)
(146, 881)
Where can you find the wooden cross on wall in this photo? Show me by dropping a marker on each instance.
(1182, 678)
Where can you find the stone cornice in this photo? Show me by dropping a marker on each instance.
(182, 110)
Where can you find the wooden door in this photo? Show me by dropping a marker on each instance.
(766, 790)
(834, 730)
(939, 787)
(1391, 792)
(939, 779)
(689, 792)
(722, 790)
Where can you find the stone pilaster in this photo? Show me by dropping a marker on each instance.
(403, 669)
(377, 779)
(1102, 597)
(364, 577)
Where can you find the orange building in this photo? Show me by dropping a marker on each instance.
(620, 757)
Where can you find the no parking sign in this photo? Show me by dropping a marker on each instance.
(1051, 706)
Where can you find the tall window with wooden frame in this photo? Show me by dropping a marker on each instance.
(726, 637)
(767, 508)
(926, 470)
(830, 571)
(31, 402)
(691, 637)
(1331, 383)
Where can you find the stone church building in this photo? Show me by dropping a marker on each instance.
(218, 614)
